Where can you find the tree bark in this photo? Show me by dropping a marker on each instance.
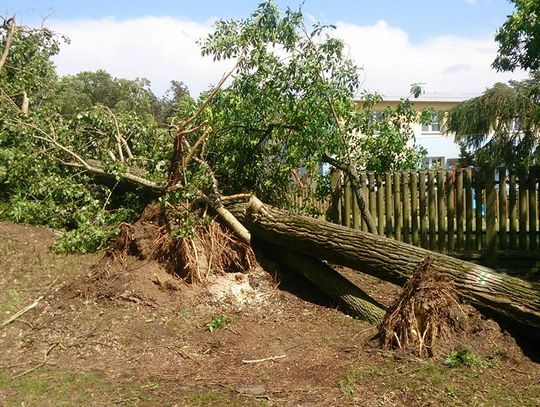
(351, 298)
(509, 297)
(350, 171)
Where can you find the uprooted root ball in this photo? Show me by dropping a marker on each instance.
(188, 243)
(426, 313)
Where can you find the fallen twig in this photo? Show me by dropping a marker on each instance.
(264, 359)
(21, 312)
(54, 345)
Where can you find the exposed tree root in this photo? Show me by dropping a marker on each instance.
(426, 313)
(191, 246)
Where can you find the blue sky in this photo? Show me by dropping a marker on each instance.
(446, 44)
(421, 19)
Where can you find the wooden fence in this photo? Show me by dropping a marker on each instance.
(464, 211)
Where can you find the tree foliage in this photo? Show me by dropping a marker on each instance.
(292, 100)
(502, 125)
(289, 103)
(519, 38)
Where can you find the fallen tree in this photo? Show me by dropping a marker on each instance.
(509, 297)
(350, 297)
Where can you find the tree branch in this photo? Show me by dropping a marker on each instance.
(9, 40)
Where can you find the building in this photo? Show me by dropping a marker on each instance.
(441, 148)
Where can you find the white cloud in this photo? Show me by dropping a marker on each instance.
(164, 48)
(446, 64)
(158, 48)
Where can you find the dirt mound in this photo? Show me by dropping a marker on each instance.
(429, 320)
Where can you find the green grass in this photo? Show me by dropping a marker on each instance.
(55, 388)
(434, 383)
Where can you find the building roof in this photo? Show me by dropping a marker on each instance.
(433, 97)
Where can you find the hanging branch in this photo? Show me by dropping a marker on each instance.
(91, 166)
(12, 29)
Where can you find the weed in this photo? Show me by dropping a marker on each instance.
(217, 322)
(465, 357)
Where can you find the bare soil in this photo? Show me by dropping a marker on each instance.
(117, 330)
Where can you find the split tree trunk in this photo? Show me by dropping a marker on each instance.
(391, 260)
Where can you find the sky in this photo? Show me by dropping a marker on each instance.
(448, 45)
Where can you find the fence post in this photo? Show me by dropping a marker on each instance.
(335, 203)
(491, 209)
(414, 208)
(479, 202)
(347, 203)
(468, 209)
(523, 209)
(380, 205)
(432, 210)
(503, 211)
(372, 197)
(398, 221)
(451, 206)
(388, 204)
(441, 210)
(406, 207)
(513, 210)
(533, 244)
(460, 209)
(423, 204)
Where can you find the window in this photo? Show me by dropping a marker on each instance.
(433, 162)
(434, 126)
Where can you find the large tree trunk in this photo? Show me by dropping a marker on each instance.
(391, 260)
(351, 298)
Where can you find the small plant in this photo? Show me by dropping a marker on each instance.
(217, 322)
(465, 357)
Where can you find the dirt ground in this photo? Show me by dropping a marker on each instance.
(124, 332)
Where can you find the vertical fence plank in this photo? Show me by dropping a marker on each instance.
(451, 209)
(414, 208)
(355, 211)
(380, 205)
(468, 209)
(335, 185)
(347, 203)
(441, 210)
(388, 204)
(479, 209)
(503, 210)
(522, 209)
(533, 241)
(398, 221)
(364, 192)
(406, 207)
(372, 195)
(460, 209)
(432, 210)
(512, 209)
(491, 214)
(423, 206)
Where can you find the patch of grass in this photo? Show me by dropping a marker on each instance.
(349, 383)
(217, 322)
(465, 357)
(215, 398)
(435, 383)
(10, 302)
(54, 388)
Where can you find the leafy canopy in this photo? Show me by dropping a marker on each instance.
(291, 101)
(502, 125)
(519, 38)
